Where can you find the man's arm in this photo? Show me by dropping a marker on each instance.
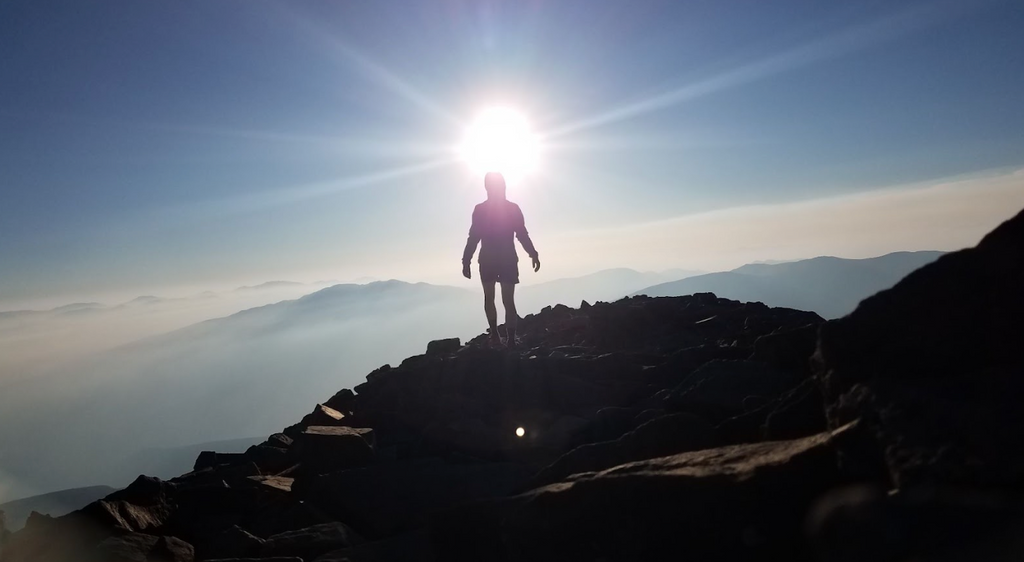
(524, 238)
(471, 243)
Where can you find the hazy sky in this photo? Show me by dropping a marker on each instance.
(157, 146)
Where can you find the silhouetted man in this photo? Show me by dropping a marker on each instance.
(495, 221)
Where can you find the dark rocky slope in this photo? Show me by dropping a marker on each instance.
(652, 429)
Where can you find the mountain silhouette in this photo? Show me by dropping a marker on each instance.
(269, 285)
(830, 286)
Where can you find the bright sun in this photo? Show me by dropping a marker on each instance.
(500, 140)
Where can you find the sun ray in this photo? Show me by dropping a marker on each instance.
(851, 39)
(350, 145)
(373, 70)
(286, 195)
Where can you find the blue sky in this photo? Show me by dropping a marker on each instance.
(150, 146)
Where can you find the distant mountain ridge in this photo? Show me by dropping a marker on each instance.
(325, 305)
(269, 285)
(830, 286)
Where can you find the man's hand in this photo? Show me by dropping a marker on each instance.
(465, 271)
(536, 263)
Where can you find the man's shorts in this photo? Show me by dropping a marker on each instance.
(500, 272)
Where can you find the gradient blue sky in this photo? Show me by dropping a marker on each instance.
(158, 146)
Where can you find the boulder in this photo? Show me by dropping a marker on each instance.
(273, 455)
(234, 542)
(788, 349)
(207, 510)
(203, 513)
(666, 435)
(723, 389)
(382, 500)
(269, 459)
(280, 483)
(214, 476)
(468, 436)
(675, 367)
(797, 413)
(950, 432)
(329, 448)
(741, 503)
(410, 547)
(280, 440)
(611, 423)
(342, 400)
(583, 398)
(212, 459)
(323, 415)
(144, 505)
(138, 547)
(926, 525)
(310, 542)
(285, 513)
(444, 347)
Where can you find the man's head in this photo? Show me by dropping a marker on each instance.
(494, 183)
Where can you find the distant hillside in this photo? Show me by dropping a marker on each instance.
(830, 286)
(54, 503)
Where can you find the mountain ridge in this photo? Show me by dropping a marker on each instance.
(652, 428)
(828, 285)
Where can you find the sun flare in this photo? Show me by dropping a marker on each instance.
(500, 139)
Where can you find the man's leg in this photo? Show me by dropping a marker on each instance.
(490, 310)
(508, 299)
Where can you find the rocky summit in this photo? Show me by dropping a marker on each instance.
(684, 428)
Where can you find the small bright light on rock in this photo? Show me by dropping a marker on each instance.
(520, 432)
